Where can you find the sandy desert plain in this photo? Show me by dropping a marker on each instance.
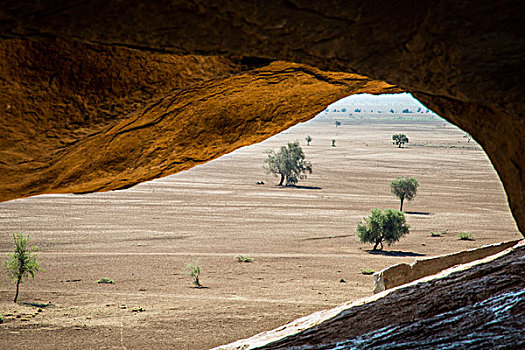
(302, 240)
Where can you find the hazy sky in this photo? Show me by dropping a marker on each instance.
(379, 101)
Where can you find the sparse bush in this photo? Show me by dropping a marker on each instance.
(367, 271)
(388, 226)
(194, 271)
(105, 280)
(289, 163)
(399, 139)
(465, 236)
(435, 234)
(23, 261)
(244, 258)
(404, 188)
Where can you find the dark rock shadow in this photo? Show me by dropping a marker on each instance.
(393, 253)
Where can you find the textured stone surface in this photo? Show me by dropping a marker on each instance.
(400, 274)
(72, 120)
(462, 59)
(441, 311)
(494, 323)
(112, 117)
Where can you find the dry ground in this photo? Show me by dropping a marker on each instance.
(302, 239)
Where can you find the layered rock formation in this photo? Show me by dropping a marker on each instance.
(462, 59)
(480, 305)
(404, 273)
(108, 105)
(82, 118)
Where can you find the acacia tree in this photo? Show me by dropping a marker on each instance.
(404, 188)
(289, 163)
(399, 139)
(23, 261)
(388, 226)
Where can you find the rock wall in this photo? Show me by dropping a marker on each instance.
(477, 305)
(82, 118)
(400, 274)
(461, 58)
(109, 105)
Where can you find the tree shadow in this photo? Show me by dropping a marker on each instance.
(40, 305)
(303, 187)
(320, 238)
(393, 253)
(417, 212)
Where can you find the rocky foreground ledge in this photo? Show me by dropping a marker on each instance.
(479, 305)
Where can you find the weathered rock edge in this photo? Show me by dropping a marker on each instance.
(463, 59)
(406, 312)
(404, 273)
(68, 128)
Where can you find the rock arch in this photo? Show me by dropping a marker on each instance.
(464, 60)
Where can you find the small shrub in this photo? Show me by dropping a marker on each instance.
(333, 143)
(244, 258)
(435, 234)
(1, 319)
(105, 280)
(342, 280)
(23, 261)
(194, 271)
(367, 271)
(444, 231)
(138, 309)
(465, 236)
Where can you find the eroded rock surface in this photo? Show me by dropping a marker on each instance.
(462, 59)
(79, 117)
(493, 323)
(481, 303)
(403, 273)
(82, 118)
